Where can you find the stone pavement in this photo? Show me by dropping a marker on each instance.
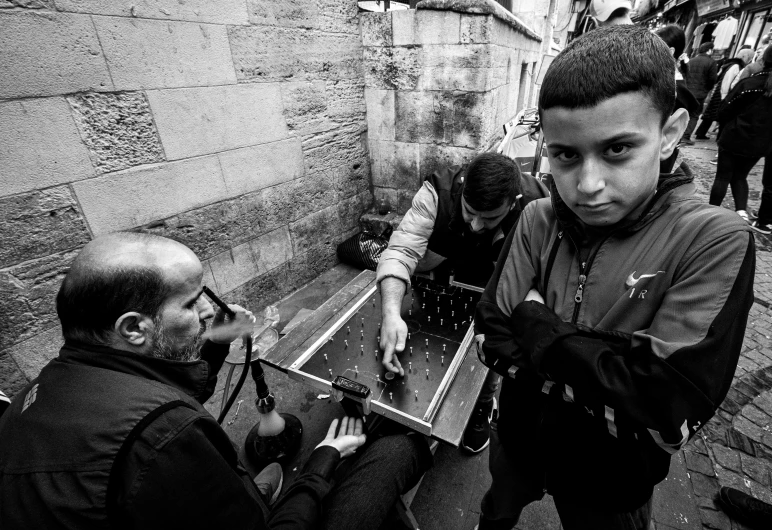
(735, 447)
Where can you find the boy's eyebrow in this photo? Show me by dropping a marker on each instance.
(611, 140)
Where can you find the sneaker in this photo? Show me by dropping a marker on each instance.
(744, 215)
(269, 482)
(745, 509)
(761, 228)
(753, 215)
(686, 141)
(477, 435)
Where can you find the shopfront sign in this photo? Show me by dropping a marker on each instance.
(706, 7)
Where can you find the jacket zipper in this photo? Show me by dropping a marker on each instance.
(579, 292)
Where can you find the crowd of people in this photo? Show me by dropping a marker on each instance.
(736, 96)
(613, 317)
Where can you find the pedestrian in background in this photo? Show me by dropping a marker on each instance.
(745, 121)
(726, 79)
(702, 76)
(675, 39)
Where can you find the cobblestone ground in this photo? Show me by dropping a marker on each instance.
(735, 447)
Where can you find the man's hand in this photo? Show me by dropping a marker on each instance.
(225, 330)
(348, 438)
(393, 336)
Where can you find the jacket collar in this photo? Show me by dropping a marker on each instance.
(671, 187)
(188, 377)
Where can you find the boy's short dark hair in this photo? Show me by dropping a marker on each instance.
(491, 180)
(607, 62)
(674, 37)
(705, 47)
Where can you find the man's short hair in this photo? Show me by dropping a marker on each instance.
(674, 37)
(491, 180)
(607, 62)
(91, 300)
(706, 47)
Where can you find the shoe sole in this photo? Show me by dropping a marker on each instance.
(764, 232)
(488, 442)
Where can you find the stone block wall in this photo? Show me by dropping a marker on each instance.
(237, 127)
(440, 82)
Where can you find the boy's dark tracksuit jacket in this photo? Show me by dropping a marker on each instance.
(633, 349)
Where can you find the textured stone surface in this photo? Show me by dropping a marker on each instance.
(146, 54)
(399, 165)
(317, 229)
(317, 106)
(261, 166)
(27, 296)
(352, 209)
(403, 27)
(27, 4)
(704, 485)
(508, 19)
(38, 223)
(456, 118)
(757, 469)
(391, 68)
(12, 379)
(436, 27)
(352, 179)
(726, 457)
(396, 200)
(215, 228)
(698, 462)
(476, 29)
(266, 53)
(329, 150)
(118, 129)
(196, 121)
(220, 12)
(44, 54)
(249, 260)
(380, 114)
(434, 157)
(33, 354)
(157, 191)
(307, 266)
(326, 15)
(39, 145)
(376, 29)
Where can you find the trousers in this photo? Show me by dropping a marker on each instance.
(366, 488)
(514, 486)
(732, 170)
(765, 209)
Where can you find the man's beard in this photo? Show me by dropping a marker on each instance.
(164, 348)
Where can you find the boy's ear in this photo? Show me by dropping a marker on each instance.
(672, 132)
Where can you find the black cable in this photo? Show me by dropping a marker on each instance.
(247, 359)
(239, 384)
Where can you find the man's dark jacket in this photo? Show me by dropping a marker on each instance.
(703, 72)
(65, 461)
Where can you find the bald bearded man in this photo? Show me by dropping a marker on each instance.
(113, 434)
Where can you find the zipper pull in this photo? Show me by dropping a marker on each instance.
(578, 295)
(580, 288)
